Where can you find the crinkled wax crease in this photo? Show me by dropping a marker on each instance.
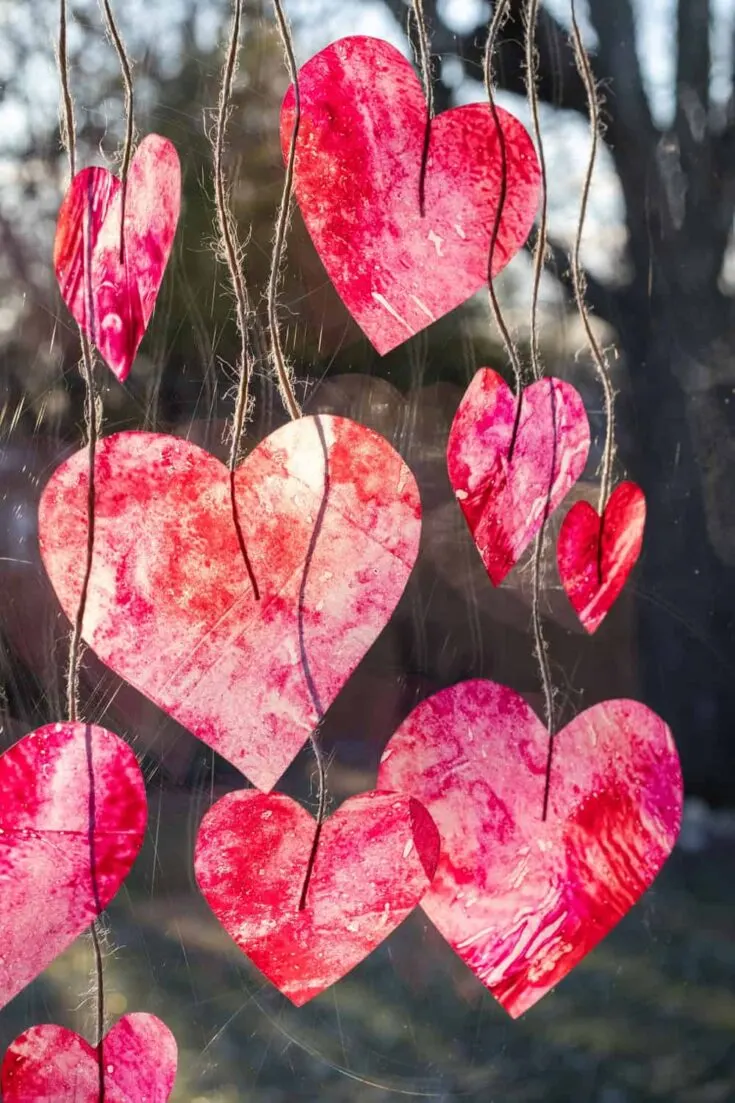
(375, 860)
(112, 293)
(358, 164)
(72, 818)
(171, 607)
(595, 556)
(49, 1064)
(519, 898)
(504, 497)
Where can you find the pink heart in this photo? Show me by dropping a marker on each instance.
(330, 520)
(72, 819)
(505, 494)
(357, 180)
(112, 292)
(519, 898)
(596, 556)
(49, 1064)
(375, 859)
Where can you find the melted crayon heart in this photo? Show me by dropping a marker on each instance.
(375, 859)
(108, 279)
(396, 265)
(521, 898)
(243, 632)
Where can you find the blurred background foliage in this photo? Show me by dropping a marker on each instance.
(651, 1014)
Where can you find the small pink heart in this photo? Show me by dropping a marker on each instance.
(519, 898)
(49, 1064)
(596, 556)
(357, 181)
(375, 859)
(72, 819)
(510, 472)
(110, 281)
(245, 650)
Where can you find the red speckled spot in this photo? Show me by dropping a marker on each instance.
(505, 497)
(596, 556)
(171, 607)
(357, 172)
(110, 295)
(72, 817)
(519, 898)
(49, 1064)
(375, 860)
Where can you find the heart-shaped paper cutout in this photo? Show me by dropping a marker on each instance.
(110, 281)
(375, 859)
(357, 181)
(50, 1064)
(72, 818)
(509, 473)
(330, 520)
(519, 898)
(595, 556)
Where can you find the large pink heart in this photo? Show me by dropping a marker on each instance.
(72, 819)
(375, 859)
(110, 280)
(49, 1064)
(510, 472)
(357, 180)
(330, 519)
(519, 898)
(596, 554)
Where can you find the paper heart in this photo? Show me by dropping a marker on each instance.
(171, 605)
(519, 898)
(49, 1064)
(111, 292)
(72, 819)
(375, 859)
(595, 556)
(357, 181)
(505, 495)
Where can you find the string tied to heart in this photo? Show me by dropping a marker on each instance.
(584, 68)
(232, 250)
(92, 428)
(424, 50)
(127, 80)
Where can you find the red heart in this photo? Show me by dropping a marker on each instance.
(519, 898)
(72, 819)
(596, 556)
(110, 295)
(375, 859)
(357, 180)
(506, 495)
(49, 1064)
(330, 519)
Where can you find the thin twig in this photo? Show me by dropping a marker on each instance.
(428, 85)
(283, 372)
(585, 71)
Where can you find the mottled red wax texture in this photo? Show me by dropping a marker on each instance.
(110, 280)
(330, 517)
(519, 898)
(510, 469)
(72, 818)
(49, 1064)
(595, 555)
(357, 181)
(375, 860)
